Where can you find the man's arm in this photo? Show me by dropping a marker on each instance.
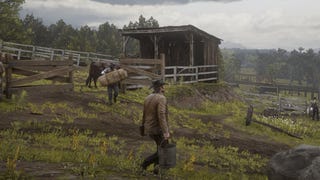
(162, 116)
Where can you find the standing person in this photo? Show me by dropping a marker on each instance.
(155, 122)
(315, 109)
(113, 89)
(2, 70)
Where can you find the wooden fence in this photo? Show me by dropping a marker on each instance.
(22, 51)
(142, 71)
(191, 74)
(265, 85)
(28, 71)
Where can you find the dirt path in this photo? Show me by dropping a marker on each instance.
(113, 124)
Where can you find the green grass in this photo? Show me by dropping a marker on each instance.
(90, 154)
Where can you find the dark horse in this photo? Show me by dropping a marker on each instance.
(95, 70)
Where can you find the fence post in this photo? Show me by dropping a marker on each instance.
(8, 75)
(19, 54)
(52, 54)
(197, 73)
(33, 52)
(162, 66)
(63, 53)
(1, 45)
(78, 60)
(70, 80)
(175, 74)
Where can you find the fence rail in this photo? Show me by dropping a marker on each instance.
(22, 51)
(174, 74)
(191, 74)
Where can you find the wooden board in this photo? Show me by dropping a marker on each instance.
(43, 75)
(17, 63)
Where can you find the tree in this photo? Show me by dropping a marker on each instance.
(11, 27)
(87, 39)
(109, 39)
(142, 23)
(312, 65)
(61, 35)
(35, 30)
(133, 45)
(230, 66)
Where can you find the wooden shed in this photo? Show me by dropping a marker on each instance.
(182, 45)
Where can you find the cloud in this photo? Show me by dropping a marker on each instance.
(157, 2)
(78, 13)
(252, 23)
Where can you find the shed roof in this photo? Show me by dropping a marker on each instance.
(168, 29)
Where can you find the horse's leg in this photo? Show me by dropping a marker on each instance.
(95, 82)
(88, 82)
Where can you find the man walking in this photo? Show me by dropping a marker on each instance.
(155, 122)
(113, 89)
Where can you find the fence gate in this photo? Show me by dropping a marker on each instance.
(26, 72)
(142, 71)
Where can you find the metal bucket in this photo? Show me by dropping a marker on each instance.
(167, 156)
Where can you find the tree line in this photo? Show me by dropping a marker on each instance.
(300, 67)
(105, 39)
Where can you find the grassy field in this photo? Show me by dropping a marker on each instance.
(79, 136)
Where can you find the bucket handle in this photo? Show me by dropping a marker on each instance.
(163, 140)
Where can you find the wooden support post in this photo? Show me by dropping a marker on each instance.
(8, 76)
(124, 45)
(52, 54)
(156, 48)
(70, 79)
(205, 53)
(175, 74)
(33, 54)
(191, 63)
(19, 55)
(197, 74)
(78, 60)
(162, 66)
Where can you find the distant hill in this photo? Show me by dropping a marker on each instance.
(231, 45)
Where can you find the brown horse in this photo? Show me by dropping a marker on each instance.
(95, 70)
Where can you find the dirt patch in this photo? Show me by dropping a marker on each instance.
(113, 124)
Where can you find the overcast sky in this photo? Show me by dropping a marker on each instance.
(287, 24)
